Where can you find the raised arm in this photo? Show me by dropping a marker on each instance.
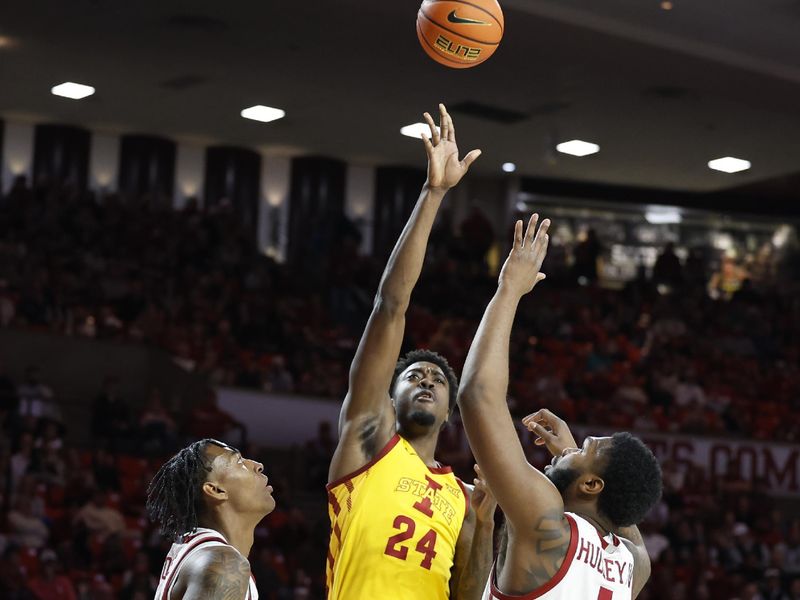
(366, 421)
(524, 493)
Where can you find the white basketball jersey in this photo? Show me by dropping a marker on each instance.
(595, 568)
(176, 558)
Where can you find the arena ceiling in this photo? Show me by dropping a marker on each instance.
(662, 92)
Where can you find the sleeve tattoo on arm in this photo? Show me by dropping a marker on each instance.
(226, 577)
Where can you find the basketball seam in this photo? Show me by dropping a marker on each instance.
(475, 6)
(427, 18)
(438, 52)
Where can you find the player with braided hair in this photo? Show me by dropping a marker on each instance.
(208, 500)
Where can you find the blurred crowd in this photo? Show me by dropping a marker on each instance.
(663, 350)
(661, 354)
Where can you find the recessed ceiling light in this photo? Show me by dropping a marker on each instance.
(75, 91)
(666, 5)
(662, 215)
(6, 42)
(578, 148)
(415, 130)
(262, 113)
(729, 164)
(509, 167)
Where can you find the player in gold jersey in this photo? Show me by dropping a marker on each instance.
(402, 525)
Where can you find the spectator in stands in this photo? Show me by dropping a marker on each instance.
(138, 580)
(728, 279)
(668, 269)
(111, 416)
(98, 518)
(25, 528)
(208, 420)
(157, 429)
(278, 379)
(688, 391)
(13, 575)
(587, 255)
(791, 550)
(104, 470)
(22, 459)
(773, 589)
(49, 584)
(36, 398)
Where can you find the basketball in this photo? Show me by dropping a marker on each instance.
(460, 34)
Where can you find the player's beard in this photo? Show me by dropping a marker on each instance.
(562, 478)
(423, 418)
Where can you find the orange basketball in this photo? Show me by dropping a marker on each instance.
(460, 33)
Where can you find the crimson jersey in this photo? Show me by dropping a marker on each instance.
(176, 558)
(595, 568)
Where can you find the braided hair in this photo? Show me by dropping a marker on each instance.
(174, 497)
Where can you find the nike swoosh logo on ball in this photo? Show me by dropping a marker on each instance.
(454, 19)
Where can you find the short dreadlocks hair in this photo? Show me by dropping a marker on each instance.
(632, 480)
(174, 497)
(430, 356)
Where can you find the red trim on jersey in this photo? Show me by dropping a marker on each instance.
(384, 451)
(466, 496)
(556, 579)
(191, 547)
(614, 539)
(440, 470)
(337, 532)
(334, 504)
(185, 539)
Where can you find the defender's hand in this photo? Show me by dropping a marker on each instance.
(444, 168)
(521, 270)
(483, 500)
(553, 431)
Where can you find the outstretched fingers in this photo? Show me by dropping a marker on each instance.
(530, 233)
(518, 234)
(541, 235)
(451, 128)
(428, 145)
(434, 131)
(444, 122)
(470, 158)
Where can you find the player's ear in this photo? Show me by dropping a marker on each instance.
(591, 485)
(214, 491)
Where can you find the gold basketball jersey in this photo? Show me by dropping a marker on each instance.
(394, 527)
